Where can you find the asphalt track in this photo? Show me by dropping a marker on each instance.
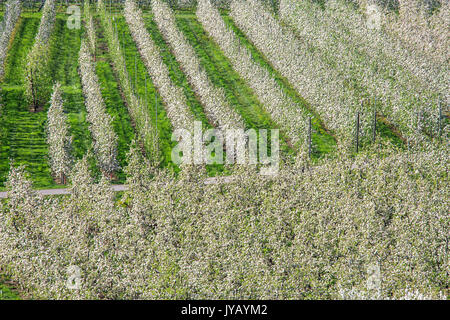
(117, 188)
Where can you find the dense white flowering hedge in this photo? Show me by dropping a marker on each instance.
(58, 137)
(10, 18)
(422, 43)
(175, 102)
(289, 116)
(418, 43)
(100, 122)
(419, 31)
(89, 25)
(137, 108)
(306, 233)
(404, 82)
(47, 21)
(219, 112)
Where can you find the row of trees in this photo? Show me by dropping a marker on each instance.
(7, 26)
(178, 111)
(421, 25)
(100, 122)
(59, 139)
(89, 25)
(364, 228)
(219, 112)
(38, 77)
(137, 107)
(332, 97)
(354, 43)
(284, 111)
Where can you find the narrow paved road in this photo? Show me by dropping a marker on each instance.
(55, 192)
(120, 187)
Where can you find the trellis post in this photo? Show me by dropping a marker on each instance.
(375, 121)
(135, 72)
(440, 119)
(123, 44)
(146, 100)
(309, 137)
(357, 132)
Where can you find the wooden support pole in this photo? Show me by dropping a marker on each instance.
(309, 138)
(375, 122)
(440, 119)
(357, 132)
(135, 72)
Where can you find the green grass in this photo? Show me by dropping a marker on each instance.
(8, 290)
(6, 293)
(65, 46)
(16, 59)
(24, 140)
(79, 127)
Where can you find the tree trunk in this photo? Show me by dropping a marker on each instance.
(33, 92)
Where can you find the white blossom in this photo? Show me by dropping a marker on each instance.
(58, 137)
(100, 122)
(175, 102)
(10, 18)
(403, 81)
(304, 234)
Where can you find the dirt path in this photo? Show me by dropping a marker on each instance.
(55, 192)
(119, 187)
